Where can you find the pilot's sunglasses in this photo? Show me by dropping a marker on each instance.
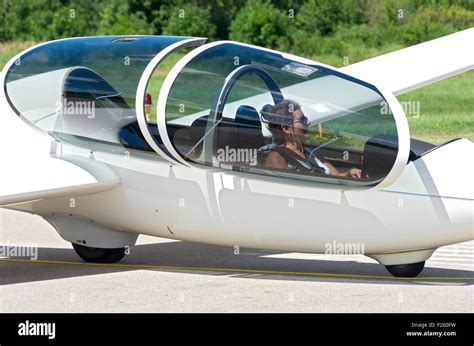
(303, 119)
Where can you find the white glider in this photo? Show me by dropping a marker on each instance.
(78, 149)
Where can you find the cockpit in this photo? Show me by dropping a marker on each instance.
(218, 112)
(219, 105)
(83, 90)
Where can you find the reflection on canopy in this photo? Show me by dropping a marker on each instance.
(215, 115)
(83, 90)
(220, 110)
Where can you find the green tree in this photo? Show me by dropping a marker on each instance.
(151, 11)
(425, 23)
(322, 16)
(222, 14)
(116, 18)
(317, 22)
(48, 19)
(72, 20)
(188, 20)
(261, 23)
(3, 18)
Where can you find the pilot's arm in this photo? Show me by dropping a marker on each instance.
(353, 172)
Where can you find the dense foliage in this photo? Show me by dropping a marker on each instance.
(342, 28)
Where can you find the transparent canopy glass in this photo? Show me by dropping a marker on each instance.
(224, 109)
(83, 90)
(228, 105)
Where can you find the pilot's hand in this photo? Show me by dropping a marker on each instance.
(355, 173)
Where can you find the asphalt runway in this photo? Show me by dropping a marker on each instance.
(163, 275)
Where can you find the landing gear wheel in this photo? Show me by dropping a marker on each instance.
(96, 255)
(410, 270)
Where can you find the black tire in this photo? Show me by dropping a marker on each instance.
(96, 255)
(410, 270)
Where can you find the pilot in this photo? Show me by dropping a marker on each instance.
(289, 127)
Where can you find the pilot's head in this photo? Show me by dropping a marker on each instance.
(288, 123)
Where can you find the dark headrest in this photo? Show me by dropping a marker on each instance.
(266, 112)
(198, 128)
(380, 153)
(247, 116)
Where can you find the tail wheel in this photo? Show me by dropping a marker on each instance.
(96, 255)
(410, 270)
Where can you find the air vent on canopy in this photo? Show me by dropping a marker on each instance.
(126, 39)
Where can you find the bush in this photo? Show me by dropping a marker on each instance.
(322, 16)
(222, 14)
(117, 19)
(262, 24)
(318, 21)
(188, 20)
(379, 29)
(47, 20)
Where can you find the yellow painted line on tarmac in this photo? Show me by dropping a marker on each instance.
(240, 271)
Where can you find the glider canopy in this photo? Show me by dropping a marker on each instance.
(214, 107)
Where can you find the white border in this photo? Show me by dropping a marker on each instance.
(164, 93)
(141, 89)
